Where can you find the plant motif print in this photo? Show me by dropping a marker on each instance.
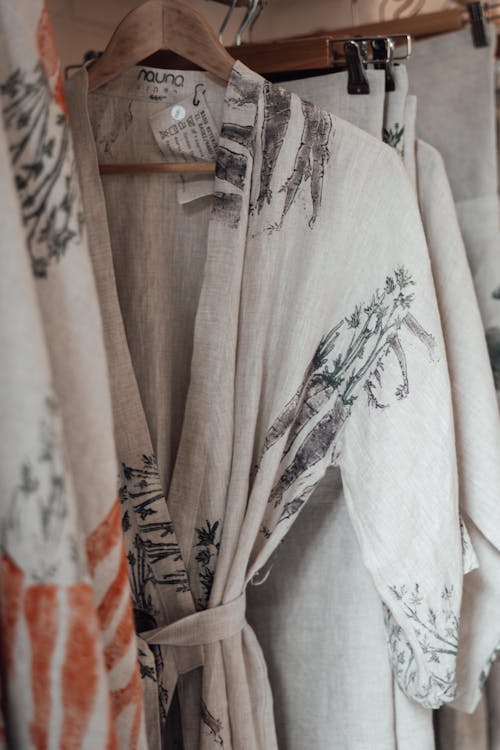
(394, 137)
(310, 161)
(40, 150)
(207, 548)
(151, 543)
(214, 725)
(436, 633)
(50, 614)
(41, 495)
(277, 114)
(154, 558)
(231, 164)
(335, 379)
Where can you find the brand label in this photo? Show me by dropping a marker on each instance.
(158, 76)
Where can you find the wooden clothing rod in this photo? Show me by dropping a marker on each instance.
(426, 24)
(200, 167)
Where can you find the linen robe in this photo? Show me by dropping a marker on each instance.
(362, 708)
(457, 116)
(284, 324)
(69, 673)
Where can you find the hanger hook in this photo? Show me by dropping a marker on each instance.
(260, 8)
(226, 20)
(252, 7)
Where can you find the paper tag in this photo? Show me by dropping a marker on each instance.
(185, 131)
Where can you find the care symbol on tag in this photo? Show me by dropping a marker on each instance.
(178, 112)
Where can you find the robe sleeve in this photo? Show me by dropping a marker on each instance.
(477, 426)
(397, 451)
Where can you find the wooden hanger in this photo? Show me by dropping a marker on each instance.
(157, 25)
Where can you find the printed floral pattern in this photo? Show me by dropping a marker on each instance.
(435, 630)
(41, 494)
(207, 548)
(395, 137)
(314, 417)
(214, 725)
(154, 559)
(44, 170)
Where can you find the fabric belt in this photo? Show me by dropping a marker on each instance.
(201, 628)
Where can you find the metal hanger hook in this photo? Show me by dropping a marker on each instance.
(253, 6)
(226, 20)
(260, 8)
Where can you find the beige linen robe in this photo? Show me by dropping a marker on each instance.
(256, 337)
(457, 116)
(69, 673)
(363, 710)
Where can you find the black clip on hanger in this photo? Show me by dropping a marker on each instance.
(383, 54)
(357, 82)
(477, 24)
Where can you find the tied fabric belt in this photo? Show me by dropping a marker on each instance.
(187, 637)
(201, 628)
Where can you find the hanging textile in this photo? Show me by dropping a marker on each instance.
(240, 374)
(69, 674)
(457, 115)
(454, 84)
(350, 626)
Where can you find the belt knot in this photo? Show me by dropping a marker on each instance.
(201, 628)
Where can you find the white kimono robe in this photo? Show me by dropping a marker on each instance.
(258, 336)
(457, 116)
(363, 710)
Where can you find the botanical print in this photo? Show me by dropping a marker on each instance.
(48, 604)
(154, 555)
(214, 725)
(310, 161)
(244, 135)
(436, 632)
(44, 172)
(394, 137)
(277, 113)
(244, 92)
(493, 341)
(207, 549)
(35, 529)
(313, 418)
(154, 558)
(227, 208)
(231, 167)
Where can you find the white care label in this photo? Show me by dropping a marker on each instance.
(186, 131)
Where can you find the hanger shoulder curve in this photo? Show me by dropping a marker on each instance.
(158, 25)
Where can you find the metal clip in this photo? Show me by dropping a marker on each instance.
(478, 29)
(357, 82)
(383, 56)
